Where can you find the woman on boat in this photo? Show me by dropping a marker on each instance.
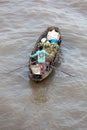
(41, 57)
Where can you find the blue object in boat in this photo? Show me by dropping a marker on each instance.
(55, 41)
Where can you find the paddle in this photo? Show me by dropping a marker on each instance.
(24, 65)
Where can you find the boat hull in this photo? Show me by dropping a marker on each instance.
(35, 70)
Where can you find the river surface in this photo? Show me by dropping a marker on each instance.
(60, 101)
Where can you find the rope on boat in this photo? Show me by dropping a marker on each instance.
(11, 71)
(67, 73)
(24, 65)
(64, 72)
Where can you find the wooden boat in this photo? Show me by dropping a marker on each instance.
(34, 68)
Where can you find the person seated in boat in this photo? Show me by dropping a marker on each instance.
(41, 56)
(52, 37)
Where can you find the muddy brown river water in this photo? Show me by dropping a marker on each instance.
(60, 101)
